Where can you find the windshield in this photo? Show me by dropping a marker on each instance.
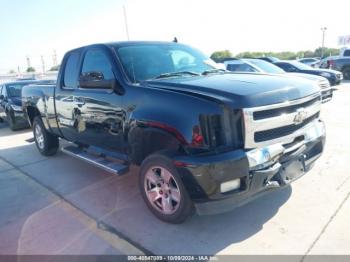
(266, 66)
(300, 66)
(148, 61)
(14, 90)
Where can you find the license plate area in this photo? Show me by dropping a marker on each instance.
(293, 169)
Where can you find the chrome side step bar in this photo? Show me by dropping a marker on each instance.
(95, 158)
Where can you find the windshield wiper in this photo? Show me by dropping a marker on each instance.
(213, 71)
(180, 73)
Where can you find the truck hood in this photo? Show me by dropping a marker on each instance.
(240, 90)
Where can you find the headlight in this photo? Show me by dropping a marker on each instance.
(323, 84)
(325, 74)
(262, 157)
(16, 108)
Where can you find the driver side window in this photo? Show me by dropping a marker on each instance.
(96, 61)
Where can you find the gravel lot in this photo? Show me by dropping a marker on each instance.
(60, 205)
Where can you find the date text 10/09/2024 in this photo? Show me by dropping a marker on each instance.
(172, 258)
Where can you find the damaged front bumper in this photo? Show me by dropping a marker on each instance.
(223, 182)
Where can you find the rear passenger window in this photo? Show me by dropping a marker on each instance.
(96, 61)
(71, 71)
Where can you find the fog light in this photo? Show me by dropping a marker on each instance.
(230, 185)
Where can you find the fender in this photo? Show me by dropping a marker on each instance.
(180, 116)
(35, 106)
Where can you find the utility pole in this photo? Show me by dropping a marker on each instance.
(126, 23)
(43, 64)
(54, 58)
(28, 61)
(323, 29)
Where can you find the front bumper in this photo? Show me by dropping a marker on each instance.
(19, 119)
(210, 171)
(337, 80)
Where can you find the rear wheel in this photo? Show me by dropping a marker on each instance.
(163, 191)
(46, 143)
(346, 73)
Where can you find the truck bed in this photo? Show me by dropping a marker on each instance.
(41, 97)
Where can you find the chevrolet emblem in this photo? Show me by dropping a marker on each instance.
(300, 116)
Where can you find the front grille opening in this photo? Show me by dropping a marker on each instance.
(258, 115)
(282, 131)
(295, 141)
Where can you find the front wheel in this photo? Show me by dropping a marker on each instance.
(46, 142)
(163, 191)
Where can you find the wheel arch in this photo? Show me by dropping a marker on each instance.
(32, 112)
(145, 141)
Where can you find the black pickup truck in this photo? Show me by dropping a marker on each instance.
(204, 138)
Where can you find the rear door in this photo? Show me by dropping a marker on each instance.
(64, 95)
(97, 113)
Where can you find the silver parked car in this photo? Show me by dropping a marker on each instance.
(261, 66)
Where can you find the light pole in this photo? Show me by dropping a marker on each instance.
(323, 29)
(126, 23)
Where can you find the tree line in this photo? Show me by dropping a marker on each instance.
(33, 70)
(218, 56)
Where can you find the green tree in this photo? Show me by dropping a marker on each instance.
(218, 56)
(55, 68)
(326, 51)
(30, 69)
(12, 71)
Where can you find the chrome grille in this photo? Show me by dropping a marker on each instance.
(279, 123)
(282, 131)
(258, 115)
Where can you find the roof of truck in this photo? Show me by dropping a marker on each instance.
(127, 43)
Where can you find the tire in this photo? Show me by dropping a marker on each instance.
(346, 73)
(46, 142)
(159, 181)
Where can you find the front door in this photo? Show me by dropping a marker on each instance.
(98, 116)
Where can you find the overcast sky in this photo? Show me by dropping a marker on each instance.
(38, 27)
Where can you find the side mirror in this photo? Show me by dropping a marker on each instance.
(92, 76)
(96, 80)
